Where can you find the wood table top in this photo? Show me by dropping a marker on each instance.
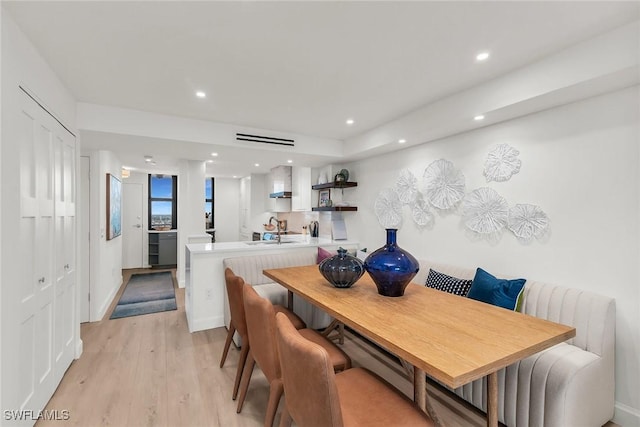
(453, 339)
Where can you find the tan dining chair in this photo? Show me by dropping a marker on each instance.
(315, 396)
(238, 323)
(261, 327)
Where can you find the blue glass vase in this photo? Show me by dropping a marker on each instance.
(391, 267)
(342, 270)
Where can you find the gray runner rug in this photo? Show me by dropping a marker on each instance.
(146, 293)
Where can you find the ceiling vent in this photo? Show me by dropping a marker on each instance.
(264, 139)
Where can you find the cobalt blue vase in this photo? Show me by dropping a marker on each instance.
(391, 267)
(342, 270)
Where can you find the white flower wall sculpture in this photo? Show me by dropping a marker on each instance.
(443, 184)
(420, 212)
(406, 186)
(502, 163)
(388, 208)
(527, 222)
(485, 211)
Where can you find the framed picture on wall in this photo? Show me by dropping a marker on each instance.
(114, 207)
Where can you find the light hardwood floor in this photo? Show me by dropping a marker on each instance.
(150, 371)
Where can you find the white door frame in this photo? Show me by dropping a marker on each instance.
(85, 246)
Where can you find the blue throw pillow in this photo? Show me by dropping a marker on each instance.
(501, 292)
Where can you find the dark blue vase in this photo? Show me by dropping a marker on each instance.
(391, 267)
(341, 270)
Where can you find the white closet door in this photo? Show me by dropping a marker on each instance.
(46, 245)
(36, 247)
(65, 254)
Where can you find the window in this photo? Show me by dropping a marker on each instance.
(163, 201)
(208, 202)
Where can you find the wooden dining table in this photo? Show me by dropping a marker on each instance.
(453, 339)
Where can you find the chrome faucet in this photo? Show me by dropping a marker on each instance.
(277, 226)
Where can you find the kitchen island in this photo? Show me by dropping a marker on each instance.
(204, 278)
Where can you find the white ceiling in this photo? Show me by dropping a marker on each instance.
(300, 67)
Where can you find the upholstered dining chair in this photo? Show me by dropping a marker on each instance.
(261, 326)
(238, 323)
(315, 396)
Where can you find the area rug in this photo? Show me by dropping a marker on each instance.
(146, 293)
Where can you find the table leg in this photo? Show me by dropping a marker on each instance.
(420, 394)
(492, 399)
(290, 300)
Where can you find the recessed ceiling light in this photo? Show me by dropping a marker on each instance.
(148, 159)
(482, 56)
(214, 154)
(478, 117)
(201, 94)
(209, 161)
(256, 164)
(350, 121)
(402, 141)
(235, 176)
(289, 161)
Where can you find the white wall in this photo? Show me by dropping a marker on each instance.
(227, 208)
(21, 64)
(106, 255)
(191, 219)
(580, 164)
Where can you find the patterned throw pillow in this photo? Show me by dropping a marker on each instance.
(450, 284)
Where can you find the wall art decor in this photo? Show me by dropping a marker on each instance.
(527, 222)
(388, 208)
(406, 186)
(502, 163)
(444, 185)
(420, 212)
(485, 211)
(114, 207)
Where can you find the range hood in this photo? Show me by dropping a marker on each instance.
(280, 178)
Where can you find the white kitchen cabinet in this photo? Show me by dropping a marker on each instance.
(252, 204)
(301, 188)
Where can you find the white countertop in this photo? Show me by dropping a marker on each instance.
(261, 245)
(162, 231)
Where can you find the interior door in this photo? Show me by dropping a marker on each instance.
(37, 291)
(65, 253)
(132, 242)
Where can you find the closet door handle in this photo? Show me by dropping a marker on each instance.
(41, 280)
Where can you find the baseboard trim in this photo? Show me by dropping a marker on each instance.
(79, 349)
(626, 416)
(107, 303)
(205, 323)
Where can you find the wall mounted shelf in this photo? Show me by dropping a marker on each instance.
(335, 209)
(346, 184)
(336, 184)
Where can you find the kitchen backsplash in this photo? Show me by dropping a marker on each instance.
(296, 220)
